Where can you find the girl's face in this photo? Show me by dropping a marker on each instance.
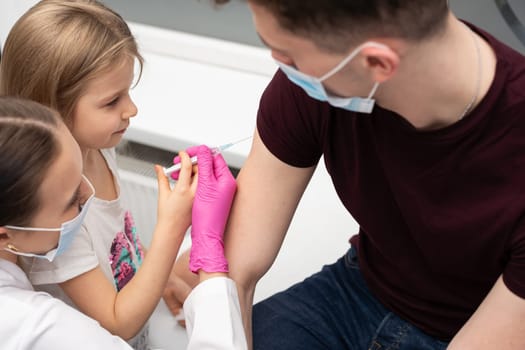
(101, 115)
(59, 196)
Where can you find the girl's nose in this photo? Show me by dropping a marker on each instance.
(131, 109)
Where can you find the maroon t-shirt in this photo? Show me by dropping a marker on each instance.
(441, 213)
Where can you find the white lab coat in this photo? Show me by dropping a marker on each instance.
(213, 316)
(35, 320)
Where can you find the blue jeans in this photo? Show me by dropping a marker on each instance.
(333, 309)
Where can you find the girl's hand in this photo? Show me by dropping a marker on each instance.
(174, 204)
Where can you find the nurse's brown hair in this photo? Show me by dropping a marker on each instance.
(28, 147)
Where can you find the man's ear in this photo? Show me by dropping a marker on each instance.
(382, 61)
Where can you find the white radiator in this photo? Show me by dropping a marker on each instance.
(140, 195)
(139, 183)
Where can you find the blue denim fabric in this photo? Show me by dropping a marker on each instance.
(333, 309)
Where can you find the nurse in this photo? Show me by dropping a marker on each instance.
(43, 199)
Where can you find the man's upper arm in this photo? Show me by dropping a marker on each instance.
(268, 192)
(498, 323)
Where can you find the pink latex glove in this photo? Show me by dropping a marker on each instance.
(211, 207)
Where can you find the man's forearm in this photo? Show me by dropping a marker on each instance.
(246, 302)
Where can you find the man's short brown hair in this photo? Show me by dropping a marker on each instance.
(336, 25)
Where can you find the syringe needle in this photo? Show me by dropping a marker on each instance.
(228, 145)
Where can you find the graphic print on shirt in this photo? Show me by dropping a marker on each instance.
(126, 253)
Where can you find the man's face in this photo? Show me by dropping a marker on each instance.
(304, 55)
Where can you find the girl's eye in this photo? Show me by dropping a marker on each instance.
(113, 102)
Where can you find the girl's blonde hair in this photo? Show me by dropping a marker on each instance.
(58, 46)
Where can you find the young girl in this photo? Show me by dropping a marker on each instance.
(78, 57)
(45, 197)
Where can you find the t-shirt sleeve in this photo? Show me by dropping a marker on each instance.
(290, 123)
(514, 273)
(80, 257)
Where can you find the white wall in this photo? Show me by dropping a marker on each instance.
(10, 11)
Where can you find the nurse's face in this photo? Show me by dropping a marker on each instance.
(60, 194)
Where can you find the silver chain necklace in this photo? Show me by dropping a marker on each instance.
(478, 80)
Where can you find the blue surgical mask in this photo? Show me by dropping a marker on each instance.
(68, 231)
(315, 89)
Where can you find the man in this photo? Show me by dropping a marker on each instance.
(432, 172)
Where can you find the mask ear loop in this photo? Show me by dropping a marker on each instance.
(374, 89)
(350, 57)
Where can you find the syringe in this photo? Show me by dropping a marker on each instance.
(214, 151)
